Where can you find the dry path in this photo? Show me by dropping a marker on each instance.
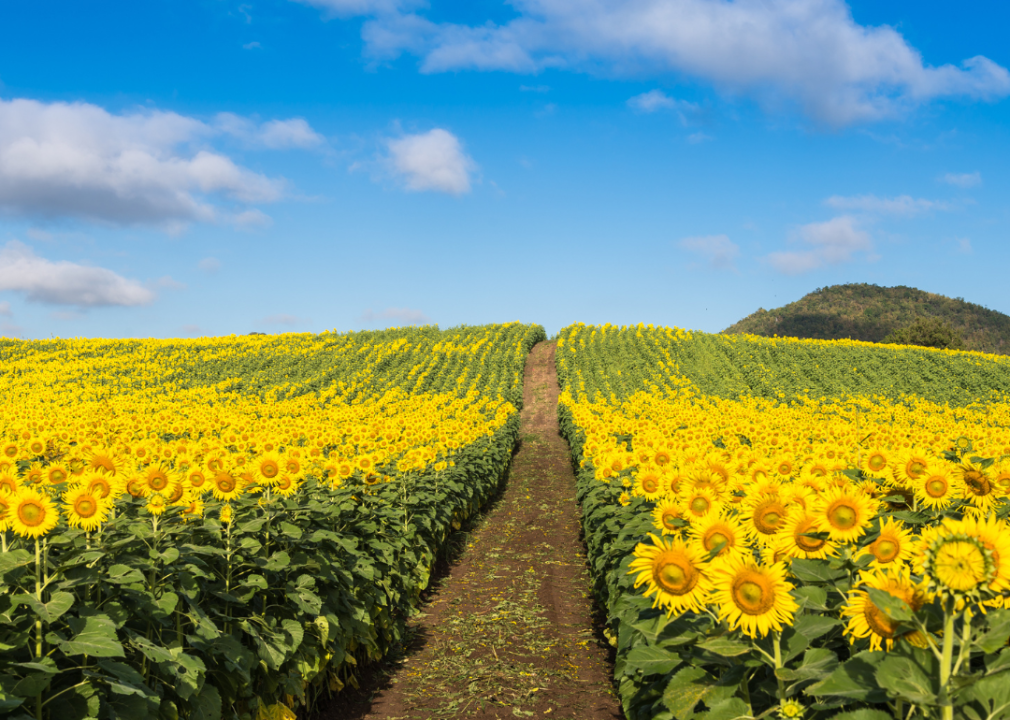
(509, 630)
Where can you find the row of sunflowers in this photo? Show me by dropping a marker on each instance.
(767, 545)
(230, 527)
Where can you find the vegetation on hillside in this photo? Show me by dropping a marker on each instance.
(870, 313)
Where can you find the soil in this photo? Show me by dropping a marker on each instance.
(509, 628)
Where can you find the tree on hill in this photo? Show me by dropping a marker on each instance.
(927, 332)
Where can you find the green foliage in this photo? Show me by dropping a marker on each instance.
(927, 332)
(870, 313)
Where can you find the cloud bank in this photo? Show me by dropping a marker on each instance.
(79, 160)
(431, 161)
(808, 52)
(65, 283)
(832, 242)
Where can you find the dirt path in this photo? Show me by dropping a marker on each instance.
(509, 630)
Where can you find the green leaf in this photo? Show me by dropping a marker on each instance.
(725, 647)
(51, 611)
(685, 690)
(14, 559)
(893, 607)
(206, 705)
(94, 636)
(167, 603)
(912, 679)
(730, 709)
(811, 596)
(123, 575)
(993, 694)
(187, 671)
(818, 663)
(154, 653)
(853, 680)
(864, 714)
(816, 571)
(999, 631)
(650, 660)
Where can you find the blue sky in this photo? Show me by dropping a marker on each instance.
(176, 169)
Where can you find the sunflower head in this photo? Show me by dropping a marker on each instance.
(958, 565)
(867, 620)
(674, 572)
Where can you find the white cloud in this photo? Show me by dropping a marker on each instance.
(169, 283)
(431, 161)
(718, 250)
(405, 316)
(39, 234)
(65, 283)
(252, 45)
(78, 160)
(273, 134)
(535, 88)
(964, 246)
(901, 205)
(253, 219)
(811, 52)
(5, 309)
(348, 8)
(964, 180)
(833, 242)
(652, 101)
(209, 265)
(698, 137)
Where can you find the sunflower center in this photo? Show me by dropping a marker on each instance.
(960, 565)
(877, 462)
(675, 574)
(753, 594)
(225, 483)
(842, 515)
(57, 476)
(885, 550)
(269, 470)
(669, 520)
(158, 482)
(650, 484)
(768, 516)
(31, 513)
(86, 506)
(936, 487)
(700, 505)
(716, 540)
(879, 622)
(977, 483)
(805, 542)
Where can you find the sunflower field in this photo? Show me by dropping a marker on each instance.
(230, 527)
(783, 528)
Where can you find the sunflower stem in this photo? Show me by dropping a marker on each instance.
(39, 641)
(777, 645)
(946, 658)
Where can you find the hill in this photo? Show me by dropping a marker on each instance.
(870, 312)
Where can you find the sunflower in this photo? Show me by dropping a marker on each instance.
(957, 565)
(103, 459)
(156, 504)
(995, 536)
(286, 486)
(977, 486)
(763, 516)
(668, 517)
(754, 598)
(35, 474)
(721, 536)
(193, 510)
(699, 502)
(9, 482)
(876, 462)
(892, 548)
(935, 489)
(100, 484)
(648, 484)
(268, 467)
(226, 486)
(156, 479)
(32, 514)
(910, 467)
(674, 572)
(197, 479)
(866, 620)
(226, 514)
(845, 513)
(84, 508)
(798, 537)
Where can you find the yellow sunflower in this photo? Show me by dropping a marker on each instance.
(876, 462)
(9, 482)
(957, 565)
(675, 574)
(648, 484)
(763, 516)
(866, 620)
(995, 537)
(754, 598)
(668, 511)
(157, 479)
(720, 535)
(845, 513)
(935, 489)
(699, 502)
(226, 486)
(268, 467)
(976, 485)
(6, 499)
(32, 514)
(893, 547)
(798, 537)
(84, 508)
